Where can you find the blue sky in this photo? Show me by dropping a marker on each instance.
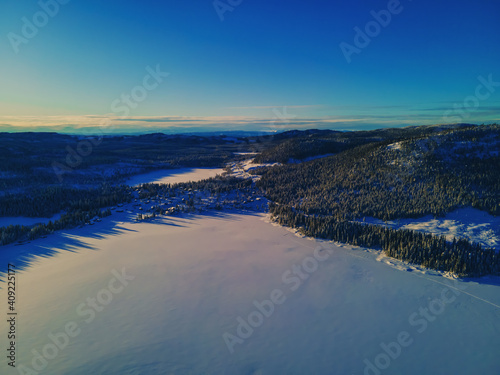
(266, 64)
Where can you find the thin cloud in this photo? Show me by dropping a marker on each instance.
(277, 106)
(177, 124)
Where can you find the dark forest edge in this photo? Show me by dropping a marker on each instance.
(89, 206)
(410, 173)
(460, 257)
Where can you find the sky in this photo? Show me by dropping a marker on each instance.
(130, 66)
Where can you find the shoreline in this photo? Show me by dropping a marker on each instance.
(214, 265)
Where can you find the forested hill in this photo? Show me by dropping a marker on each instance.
(299, 145)
(385, 174)
(413, 177)
(42, 160)
(431, 173)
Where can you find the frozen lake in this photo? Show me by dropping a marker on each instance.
(231, 293)
(172, 176)
(194, 279)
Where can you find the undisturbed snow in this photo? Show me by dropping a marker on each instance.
(469, 223)
(172, 176)
(195, 275)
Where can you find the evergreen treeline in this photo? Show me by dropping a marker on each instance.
(27, 159)
(214, 185)
(459, 257)
(412, 178)
(426, 171)
(299, 145)
(78, 207)
(83, 205)
(13, 233)
(51, 200)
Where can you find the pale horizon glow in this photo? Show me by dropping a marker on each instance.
(282, 120)
(181, 68)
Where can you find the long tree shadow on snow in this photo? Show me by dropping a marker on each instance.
(74, 239)
(25, 255)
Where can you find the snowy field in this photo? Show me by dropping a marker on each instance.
(223, 294)
(243, 168)
(172, 176)
(231, 293)
(469, 223)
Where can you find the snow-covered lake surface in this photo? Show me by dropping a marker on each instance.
(231, 293)
(196, 278)
(171, 176)
(469, 223)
